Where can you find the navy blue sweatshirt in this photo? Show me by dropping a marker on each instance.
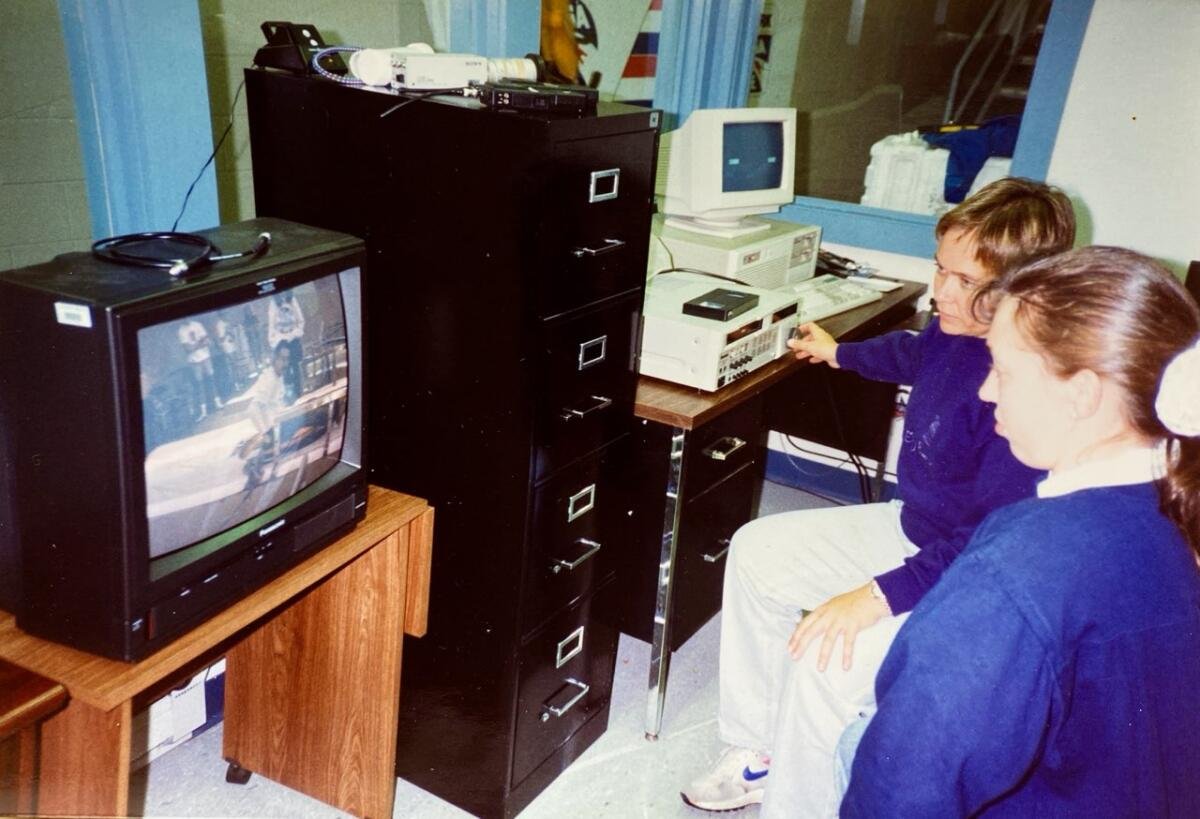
(953, 467)
(1052, 672)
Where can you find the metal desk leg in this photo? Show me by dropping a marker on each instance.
(660, 648)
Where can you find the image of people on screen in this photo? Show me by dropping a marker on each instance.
(227, 357)
(196, 345)
(231, 426)
(285, 328)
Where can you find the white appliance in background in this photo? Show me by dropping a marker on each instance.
(709, 353)
(783, 253)
(417, 68)
(907, 173)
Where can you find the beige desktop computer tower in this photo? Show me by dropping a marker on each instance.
(780, 254)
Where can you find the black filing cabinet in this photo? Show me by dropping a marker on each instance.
(506, 268)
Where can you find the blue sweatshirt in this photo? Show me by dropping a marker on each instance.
(1052, 672)
(953, 468)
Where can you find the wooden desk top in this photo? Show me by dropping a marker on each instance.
(687, 408)
(105, 684)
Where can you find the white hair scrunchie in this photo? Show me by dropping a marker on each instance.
(1178, 401)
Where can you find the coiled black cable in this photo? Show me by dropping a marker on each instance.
(117, 249)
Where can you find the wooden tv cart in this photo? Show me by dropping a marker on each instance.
(312, 658)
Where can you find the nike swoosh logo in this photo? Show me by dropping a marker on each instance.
(750, 775)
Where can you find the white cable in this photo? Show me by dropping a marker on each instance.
(329, 75)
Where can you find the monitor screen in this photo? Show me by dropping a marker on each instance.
(753, 156)
(242, 407)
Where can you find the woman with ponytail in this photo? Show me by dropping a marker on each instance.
(1055, 668)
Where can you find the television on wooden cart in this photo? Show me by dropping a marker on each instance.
(170, 443)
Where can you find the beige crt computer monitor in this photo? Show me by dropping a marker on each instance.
(726, 164)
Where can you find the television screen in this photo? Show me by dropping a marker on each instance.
(753, 156)
(242, 407)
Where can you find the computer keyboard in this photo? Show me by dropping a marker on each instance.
(825, 296)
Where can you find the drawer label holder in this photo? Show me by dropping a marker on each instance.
(568, 647)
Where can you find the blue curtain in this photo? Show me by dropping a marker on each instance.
(491, 28)
(705, 52)
(141, 101)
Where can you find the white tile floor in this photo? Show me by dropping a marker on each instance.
(621, 775)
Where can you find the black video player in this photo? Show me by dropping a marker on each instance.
(535, 96)
(721, 304)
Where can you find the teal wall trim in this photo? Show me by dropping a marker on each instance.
(495, 28)
(141, 101)
(861, 226)
(1048, 89)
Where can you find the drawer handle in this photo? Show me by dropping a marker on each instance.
(564, 698)
(603, 185)
(586, 500)
(598, 402)
(568, 647)
(593, 352)
(608, 247)
(723, 448)
(591, 547)
(714, 558)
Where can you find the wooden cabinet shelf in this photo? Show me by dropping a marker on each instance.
(313, 654)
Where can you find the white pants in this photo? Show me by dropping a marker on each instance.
(781, 565)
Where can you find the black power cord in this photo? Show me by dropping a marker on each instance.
(864, 480)
(213, 155)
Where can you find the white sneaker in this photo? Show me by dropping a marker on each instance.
(737, 780)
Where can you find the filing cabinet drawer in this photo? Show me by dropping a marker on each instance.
(593, 242)
(706, 528)
(565, 679)
(588, 382)
(578, 519)
(717, 450)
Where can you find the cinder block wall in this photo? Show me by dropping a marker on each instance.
(43, 202)
(232, 35)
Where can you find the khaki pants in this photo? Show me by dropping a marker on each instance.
(779, 566)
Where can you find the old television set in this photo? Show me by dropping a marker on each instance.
(168, 443)
(724, 166)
